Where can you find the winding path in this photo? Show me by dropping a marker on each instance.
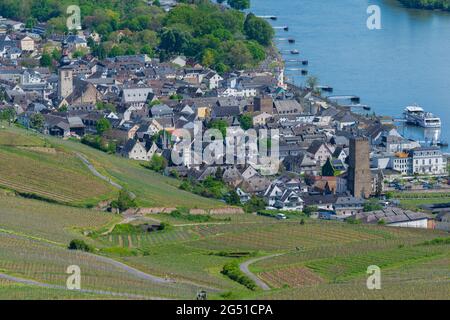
(99, 175)
(244, 268)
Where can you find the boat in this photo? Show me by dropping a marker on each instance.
(295, 51)
(290, 40)
(416, 115)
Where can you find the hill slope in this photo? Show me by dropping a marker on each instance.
(48, 168)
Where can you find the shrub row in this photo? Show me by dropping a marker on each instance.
(232, 271)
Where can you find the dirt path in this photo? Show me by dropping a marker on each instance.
(244, 268)
(99, 175)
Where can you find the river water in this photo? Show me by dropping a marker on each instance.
(406, 62)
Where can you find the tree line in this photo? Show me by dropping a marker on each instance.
(223, 39)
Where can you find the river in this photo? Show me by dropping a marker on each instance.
(406, 62)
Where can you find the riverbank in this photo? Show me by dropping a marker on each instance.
(442, 5)
(389, 68)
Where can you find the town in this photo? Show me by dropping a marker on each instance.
(335, 163)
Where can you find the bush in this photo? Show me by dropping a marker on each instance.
(232, 271)
(77, 244)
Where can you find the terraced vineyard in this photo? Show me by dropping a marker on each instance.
(146, 239)
(53, 175)
(47, 221)
(283, 236)
(291, 277)
(48, 264)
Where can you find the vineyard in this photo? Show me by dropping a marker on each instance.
(54, 175)
(47, 221)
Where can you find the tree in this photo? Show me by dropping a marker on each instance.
(246, 121)
(37, 121)
(46, 60)
(220, 125)
(102, 126)
(310, 210)
(255, 204)
(124, 201)
(372, 205)
(328, 169)
(7, 114)
(175, 40)
(258, 29)
(239, 4)
(232, 198)
(158, 163)
(77, 244)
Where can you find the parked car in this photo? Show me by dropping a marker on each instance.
(281, 216)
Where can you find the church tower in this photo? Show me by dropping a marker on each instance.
(65, 74)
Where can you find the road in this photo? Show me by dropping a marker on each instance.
(244, 268)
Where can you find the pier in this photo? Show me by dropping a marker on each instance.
(268, 17)
(290, 40)
(285, 28)
(355, 99)
(303, 62)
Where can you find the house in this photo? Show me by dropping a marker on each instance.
(135, 96)
(179, 61)
(302, 163)
(75, 42)
(161, 111)
(243, 196)
(219, 112)
(348, 206)
(137, 150)
(290, 200)
(320, 152)
(319, 200)
(395, 217)
(26, 44)
(428, 160)
(213, 80)
(272, 194)
(285, 107)
(261, 119)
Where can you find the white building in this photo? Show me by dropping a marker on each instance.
(429, 161)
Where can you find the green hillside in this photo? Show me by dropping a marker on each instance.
(48, 168)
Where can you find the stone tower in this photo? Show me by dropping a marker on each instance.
(65, 74)
(359, 176)
(65, 84)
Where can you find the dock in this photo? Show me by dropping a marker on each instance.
(290, 40)
(268, 17)
(285, 28)
(355, 99)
